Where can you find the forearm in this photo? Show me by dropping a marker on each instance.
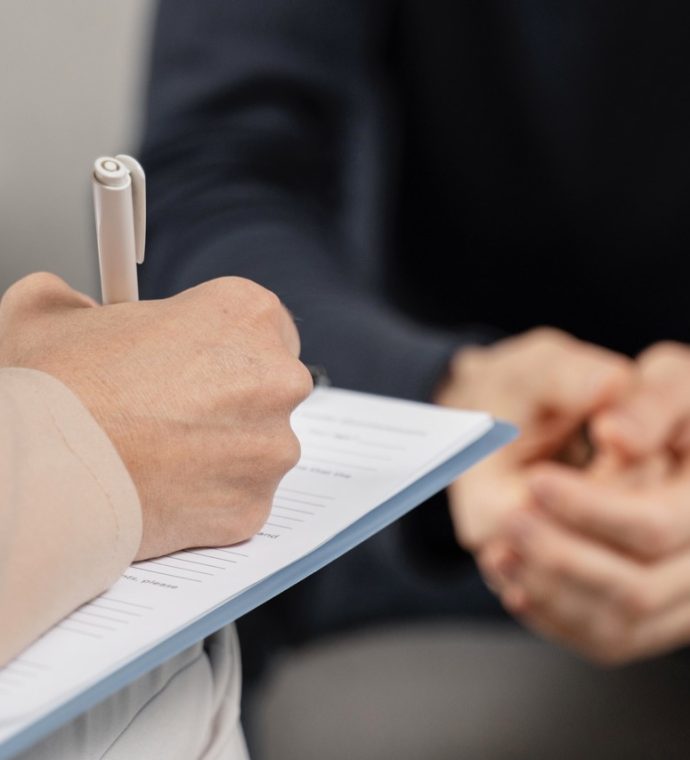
(70, 520)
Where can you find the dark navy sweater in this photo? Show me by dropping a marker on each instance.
(412, 176)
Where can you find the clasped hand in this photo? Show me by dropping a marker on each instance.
(596, 557)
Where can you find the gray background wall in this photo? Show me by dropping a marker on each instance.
(70, 89)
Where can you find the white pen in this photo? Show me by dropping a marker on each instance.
(119, 196)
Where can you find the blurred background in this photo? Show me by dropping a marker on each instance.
(71, 82)
(72, 79)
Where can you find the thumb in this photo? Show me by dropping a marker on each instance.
(645, 423)
(43, 292)
(581, 379)
(655, 412)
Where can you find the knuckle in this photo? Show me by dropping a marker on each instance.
(223, 288)
(548, 336)
(292, 452)
(236, 288)
(291, 382)
(220, 287)
(267, 301)
(548, 345)
(287, 452)
(281, 452)
(663, 352)
(260, 297)
(291, 338)
(299, 383)
(225, 285)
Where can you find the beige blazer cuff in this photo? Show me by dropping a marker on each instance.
(70, 519)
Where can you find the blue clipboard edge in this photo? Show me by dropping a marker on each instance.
(499, 435)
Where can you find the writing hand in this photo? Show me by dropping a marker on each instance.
(194, 391)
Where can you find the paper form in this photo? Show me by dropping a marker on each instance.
(357, 452)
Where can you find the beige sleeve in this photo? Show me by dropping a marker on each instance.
(70, 520)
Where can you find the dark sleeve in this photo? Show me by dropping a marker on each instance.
(254, 106)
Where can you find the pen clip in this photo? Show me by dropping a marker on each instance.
(138, 179)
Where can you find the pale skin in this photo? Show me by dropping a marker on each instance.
(194, 391)
(597, 560)
(547, 383)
